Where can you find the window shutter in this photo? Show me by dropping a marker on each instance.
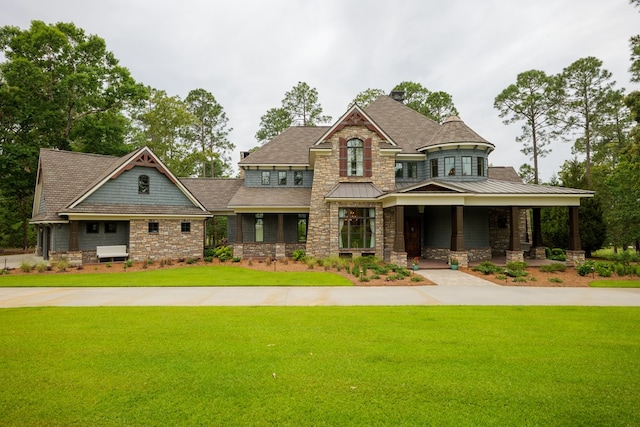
(342, 154)
(367, 157)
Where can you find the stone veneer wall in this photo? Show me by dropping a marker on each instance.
(322, 237)
(389, 218)
(169, 242)
(443, 254)
(499, 237)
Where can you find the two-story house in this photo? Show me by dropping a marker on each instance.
(383, 181)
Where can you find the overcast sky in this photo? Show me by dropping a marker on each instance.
(249, 53)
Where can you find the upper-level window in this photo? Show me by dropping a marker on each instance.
(480, 166)
(282, 178)
(266, 178)
(434, 168)
(466, 165)
(297, 178)
(450, 166)
(143, 184)
(412, 170)
(355, 157)
(399, 170)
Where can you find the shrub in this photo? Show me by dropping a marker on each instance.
(26, 266)
(638, 270)
(625, 257)
(109, 265)
(517, 265)
(149, 261)
(299, 255)
(555, 280)
(364, 279)
(208, 259)
(191, 261)
(520, 279)
(586, 267)
(604, 269)
(41, 267)
(62, 265)
(223, 253)
(210, 252)
(236, 259)
(486, 268)
(547, 253)
(515, 273)
(417, 278)
(558, 254)
(533, 279)
(552, 268)
(128, 263)
(310, 261)
(501, 277)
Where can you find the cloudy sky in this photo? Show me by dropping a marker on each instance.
(248, 53)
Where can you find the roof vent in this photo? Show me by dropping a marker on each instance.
(397, 95)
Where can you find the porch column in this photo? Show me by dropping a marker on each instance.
(281, 247)
(398, 244)
(73, 236)
(575, 254)
(239, 228)
(238, 247)
(280, 236)
(537, 250)
(457, 232)
(514, 253)
(398, 254)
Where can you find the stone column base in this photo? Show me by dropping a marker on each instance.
(461, 256)
(281, 250)
(514, 256)
(398, 258)
(237, 250)
(574, 258)
(538, 253)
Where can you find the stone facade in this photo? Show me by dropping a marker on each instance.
(168, 242)
(574, 258)
(323, 217)
(514, 256)
(74, 258)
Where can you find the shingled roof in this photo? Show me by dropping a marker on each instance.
(213, 193)
(454, 130)
(249, 197)
(409, 129)
(291, 147)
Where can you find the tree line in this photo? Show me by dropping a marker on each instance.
(61, 88)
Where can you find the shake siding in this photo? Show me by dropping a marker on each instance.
(253, 178)
(438, 227)
(90, 241)
(231, 229)
(458, 154)
(124, 190)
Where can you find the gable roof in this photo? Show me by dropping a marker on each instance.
(355, 116)
(67, 178)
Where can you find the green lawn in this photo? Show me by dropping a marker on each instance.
(615, 284)
(333, 366)
(186, 276)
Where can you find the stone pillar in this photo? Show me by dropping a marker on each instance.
(457, 232)
(514, 256)
(537, 246)
(281, 250)
(461, 256)
(398, 258)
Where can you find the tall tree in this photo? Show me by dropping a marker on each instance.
(163, 125)
(272, 123)
(589, 106)
(302, 104)
(300, 107)
(59, 88)
(438, 106)
(534, 100)
(209, 132)
(366, 97)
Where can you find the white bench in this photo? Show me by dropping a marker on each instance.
(115, 251)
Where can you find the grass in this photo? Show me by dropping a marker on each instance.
(396, 366)
(615, 283)
(192, 276)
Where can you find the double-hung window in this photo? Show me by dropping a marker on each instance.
(466, 165)
(355, 157)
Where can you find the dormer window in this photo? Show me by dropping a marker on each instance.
(143, 184)
(355, 157)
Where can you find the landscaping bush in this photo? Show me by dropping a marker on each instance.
(223, 253)
(586, 267)
(41, 267)
(210, 252)
(625, 257)
(299, 255)
(62, 265)
(208, 259)
(604, 269)
(236, 259)
(486, 268)
(517, 265)
(26, 267)
(552, 268)
(558, 254)
(417, 278)
(128, 263)
(555, 280)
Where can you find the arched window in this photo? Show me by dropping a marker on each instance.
(355, 157)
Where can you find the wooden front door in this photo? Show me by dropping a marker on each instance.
(412, 236)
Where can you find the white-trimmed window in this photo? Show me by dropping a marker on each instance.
(282, 178)
(480, 161)
(466, 165)
(355, 157)
(266, 178)
(450, 166)
(259, 227)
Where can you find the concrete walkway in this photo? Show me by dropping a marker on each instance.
(317, 296)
